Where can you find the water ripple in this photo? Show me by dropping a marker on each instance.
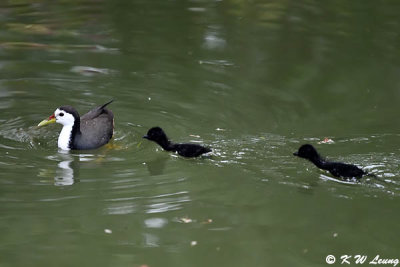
(270, 157)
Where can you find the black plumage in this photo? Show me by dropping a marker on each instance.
(338, 169)
(157, 135)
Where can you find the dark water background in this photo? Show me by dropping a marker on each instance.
(252, 79)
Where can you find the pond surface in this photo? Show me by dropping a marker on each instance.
(252, 79)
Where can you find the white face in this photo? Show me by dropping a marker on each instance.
(64, 118)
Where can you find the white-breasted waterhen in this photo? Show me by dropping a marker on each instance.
(90, 131)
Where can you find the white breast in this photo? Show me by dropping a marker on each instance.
(65, 137)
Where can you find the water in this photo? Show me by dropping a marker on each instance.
(253, 80)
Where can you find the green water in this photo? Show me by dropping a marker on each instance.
(252, 79)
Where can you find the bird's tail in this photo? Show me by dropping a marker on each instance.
(109, 102)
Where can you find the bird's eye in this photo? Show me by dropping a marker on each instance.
(61, 114)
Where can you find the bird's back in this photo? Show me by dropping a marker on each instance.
(97, 128)
(344, 170)
(190, 150)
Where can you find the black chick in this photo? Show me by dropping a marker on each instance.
(337, 169)
(157, 135)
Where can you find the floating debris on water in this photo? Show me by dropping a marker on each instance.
(30, 28)
(208, 221)
(197, 9)
(89, 71)
(185, 220)
(216, 62)
(58, 47)
(326, 141)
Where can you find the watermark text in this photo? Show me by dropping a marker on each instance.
(361, 259)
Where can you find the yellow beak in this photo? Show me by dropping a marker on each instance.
(51, 119)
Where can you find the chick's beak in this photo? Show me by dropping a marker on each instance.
(295, 153)
(51, 119)
(146, 137)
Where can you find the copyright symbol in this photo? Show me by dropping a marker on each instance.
(330, 259)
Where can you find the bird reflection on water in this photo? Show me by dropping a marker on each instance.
(66, 170)
(156, 166)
